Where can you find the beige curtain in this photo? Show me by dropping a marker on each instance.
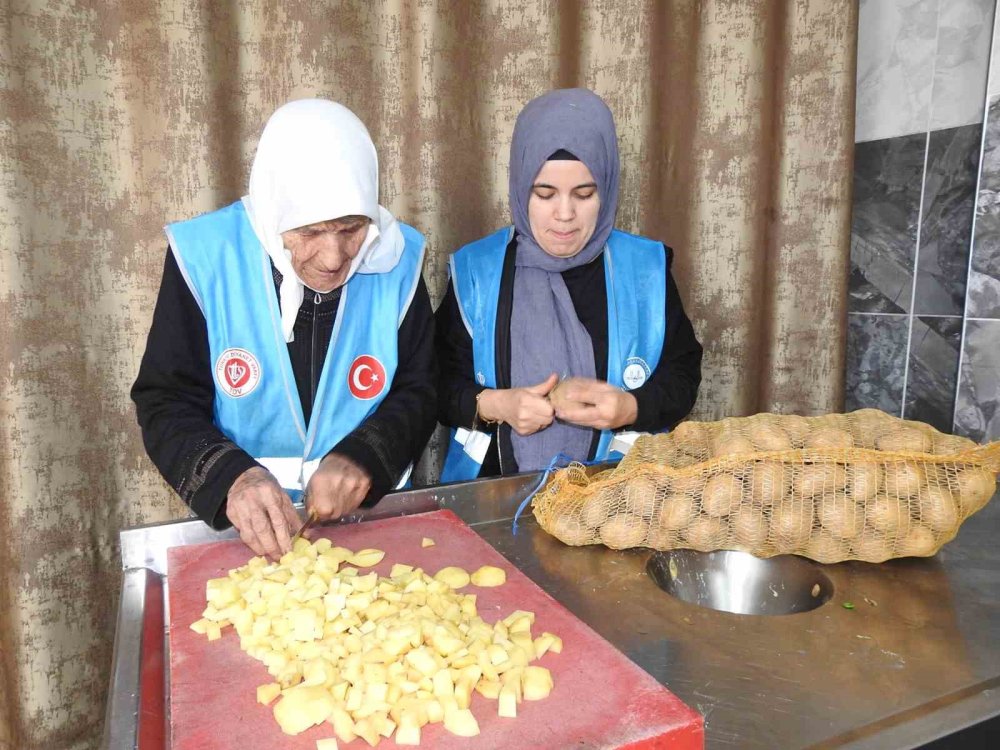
(736, 128)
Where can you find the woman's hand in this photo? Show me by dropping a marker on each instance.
(526, 410)
(262, 512)
(595, 404)
(338, 487)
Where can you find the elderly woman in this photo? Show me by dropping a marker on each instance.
(560, 298)
(291, 346)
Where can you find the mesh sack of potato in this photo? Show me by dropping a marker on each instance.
(859, 486)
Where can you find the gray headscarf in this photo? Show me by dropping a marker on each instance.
(546, 335)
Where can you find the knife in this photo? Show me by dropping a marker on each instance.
(313, 515)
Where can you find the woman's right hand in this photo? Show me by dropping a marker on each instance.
(526, 409)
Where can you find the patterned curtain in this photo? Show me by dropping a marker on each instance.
(736, 129)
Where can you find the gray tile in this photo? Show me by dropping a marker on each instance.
(994, 81)
(984, 279)
(946, 221)
(978, 413)
(876, 358)
(887, 182)
(933, 371)
(961, 62)
(896, 44)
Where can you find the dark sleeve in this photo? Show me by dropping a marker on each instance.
(669, 394)
(457, 387)
(174, 395)
(395, 434)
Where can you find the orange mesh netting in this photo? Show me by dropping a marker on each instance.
(862, 486)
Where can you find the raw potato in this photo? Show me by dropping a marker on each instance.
(768, 483)
(872, 549)
(749, 526)
(768, 437)
(690, 437)
(640, 497)
(676, 513)
(841, 517)
(426, 542)
(594, 510)
(888, 514)
(373, 656)
(705, 534)
(791, 523)
(975, 487)
(569, 530)
(919, 542)
(938, 509)
(816, 479)
(864, 480)
(366, 558)
(731, 444)
(623, 532)
(907, 439)
(455, 577)
(797, 428)
(721, 495)
(829, 437)
(687, 485)
(489, 576)
(824, 547)
(902, 479)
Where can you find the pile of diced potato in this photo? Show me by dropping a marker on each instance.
(370, 655)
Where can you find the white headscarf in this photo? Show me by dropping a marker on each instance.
(316, 162)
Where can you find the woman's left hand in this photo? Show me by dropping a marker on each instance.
(595, 404)
(338, 487)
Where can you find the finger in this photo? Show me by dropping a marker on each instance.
(279, 522)
(543, 388)
(260, 522)
(584, 414)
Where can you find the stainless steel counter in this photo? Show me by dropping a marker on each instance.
(917, 658)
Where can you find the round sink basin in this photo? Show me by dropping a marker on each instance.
(741, 583)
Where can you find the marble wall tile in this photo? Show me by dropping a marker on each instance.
(994, 80)
(933, 370)
(896, 45)
(887, 182)
(961, 62)
(978, 413)
(876, 359)
(984, 278)
(946, 220)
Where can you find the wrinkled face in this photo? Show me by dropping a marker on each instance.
(563, 206)
(322, 252)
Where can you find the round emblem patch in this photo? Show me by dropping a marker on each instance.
(237, 372)
(366, 378)
(636, 373)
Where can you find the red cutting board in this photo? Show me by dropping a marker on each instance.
(600, 699)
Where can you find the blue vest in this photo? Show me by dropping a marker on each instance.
(256, 401)
(635, 273)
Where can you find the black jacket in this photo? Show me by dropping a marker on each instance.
(174, 393)
(663, 400)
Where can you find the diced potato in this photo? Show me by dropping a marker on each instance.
(268, 692)
(408, 732)
(366, 558)
(452, 576)
(330, 743)
(488, 576)
(343, 724)
(364, 729)
(507, 703)
(200, 626)
(537, 683)
(461, 722)
(426, 542)
(489, 689)
(399, 569)
(214, 631)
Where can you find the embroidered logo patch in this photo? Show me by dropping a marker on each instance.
(636, 373)
(237, 372)
(366, 378)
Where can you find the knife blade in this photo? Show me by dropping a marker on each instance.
(310, 520)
